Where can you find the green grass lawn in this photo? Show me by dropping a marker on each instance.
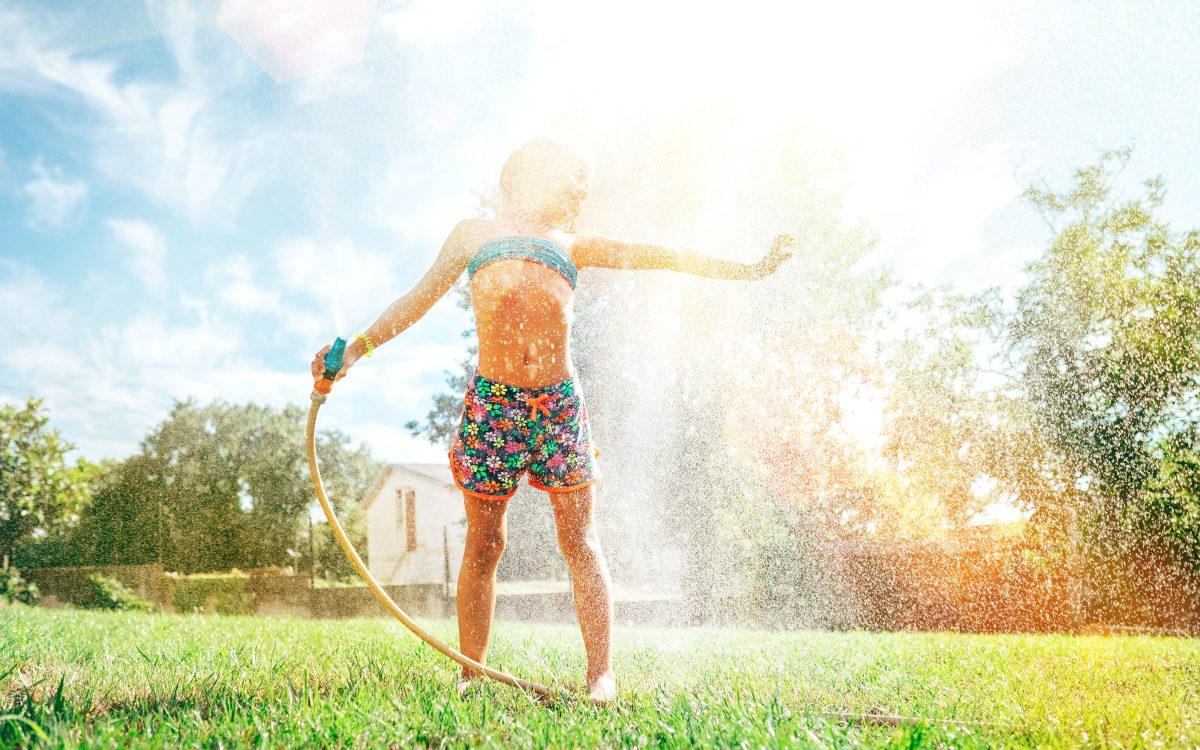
(120, 680)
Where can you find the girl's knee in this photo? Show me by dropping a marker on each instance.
(580, 549)
(484, 550)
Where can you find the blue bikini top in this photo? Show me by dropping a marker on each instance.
(537, 249)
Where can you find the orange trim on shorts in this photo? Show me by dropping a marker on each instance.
(561, 489)
(473, 493)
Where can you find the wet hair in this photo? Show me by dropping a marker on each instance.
(542, 146)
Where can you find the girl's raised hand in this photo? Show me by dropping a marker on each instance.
(780, 251)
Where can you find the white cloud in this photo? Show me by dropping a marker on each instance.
(412, 201)
(379, 395)
(106, 385)
(351, 284)
(392, 443)
(53, 198)
(399, 374)
(143, 365)
(233, 281)
(149, 249)
(167, 140)
(178, 21)
(44, 313)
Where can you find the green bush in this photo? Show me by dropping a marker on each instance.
(110, 593)
(224, 593)
(14, 588)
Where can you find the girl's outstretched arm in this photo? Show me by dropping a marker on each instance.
(412, 306)
(604, 252)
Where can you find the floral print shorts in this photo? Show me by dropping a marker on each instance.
(505, 430)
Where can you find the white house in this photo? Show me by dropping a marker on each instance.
(416, 525)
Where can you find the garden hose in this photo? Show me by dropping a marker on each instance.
(333, 363)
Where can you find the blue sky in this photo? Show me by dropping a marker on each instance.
(178, 223)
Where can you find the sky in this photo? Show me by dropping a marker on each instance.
(196, 196)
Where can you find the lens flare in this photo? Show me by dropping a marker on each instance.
(290, 40)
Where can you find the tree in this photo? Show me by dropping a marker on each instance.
(217, 487)
(325, 558)
(1107, 332)
(39, 492)
(119, 526)
(347, 473)
(948, 394)
(1170, 508)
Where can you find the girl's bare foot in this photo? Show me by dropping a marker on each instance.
(467, 681)
(602, 689)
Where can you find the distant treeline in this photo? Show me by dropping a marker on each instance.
(212, 488)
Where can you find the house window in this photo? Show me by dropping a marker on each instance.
(400, 507)
(410, 512)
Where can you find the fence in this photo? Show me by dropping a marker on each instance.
(960, 586)
(272, 592)
(974, 585)
(967, 586)
(423, 600)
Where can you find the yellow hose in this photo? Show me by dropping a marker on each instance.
(340, 534)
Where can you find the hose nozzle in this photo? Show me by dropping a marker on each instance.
(333, 363)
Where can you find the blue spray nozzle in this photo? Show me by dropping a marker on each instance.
(333, 359)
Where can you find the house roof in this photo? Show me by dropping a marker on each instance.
(439, 473)
(436, 472)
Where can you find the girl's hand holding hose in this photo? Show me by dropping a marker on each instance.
(354, 350)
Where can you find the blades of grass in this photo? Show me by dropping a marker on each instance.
(400, 707)
(87, 700)
(58, 705)
(10, 670)
(815, 740)
(37, 730)
(291, 690)
(150, 661)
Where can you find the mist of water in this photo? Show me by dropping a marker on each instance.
(679, 370)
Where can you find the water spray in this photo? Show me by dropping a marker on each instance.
(321, 389)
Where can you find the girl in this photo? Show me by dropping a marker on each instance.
(523, 410)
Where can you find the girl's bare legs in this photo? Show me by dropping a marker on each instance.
(476, 598)
(580, 545)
